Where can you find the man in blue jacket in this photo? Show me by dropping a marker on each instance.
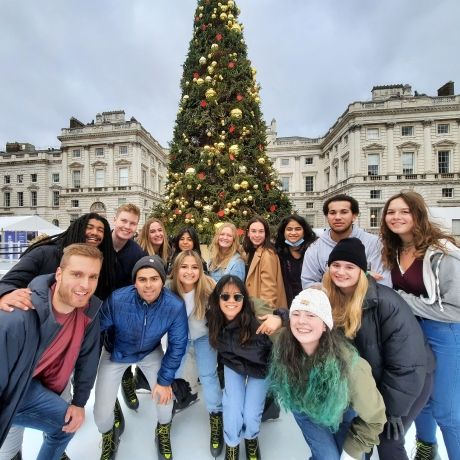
(41, 348)
(137, 317)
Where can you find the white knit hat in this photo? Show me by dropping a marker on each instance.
(315, 301)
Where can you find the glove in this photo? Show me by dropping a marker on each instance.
(395, 428)
(345, 456)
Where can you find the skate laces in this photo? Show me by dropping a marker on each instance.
(129, 388)
(108, 445)
(216, 429)
(424, 451)
(164, 441)
(252, 446)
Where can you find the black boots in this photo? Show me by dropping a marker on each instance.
(216, 442)
(163, 441)
(252, 449)
(128, 390)
(426, 451)
(110, 441)
(232, 453)
(119, 419)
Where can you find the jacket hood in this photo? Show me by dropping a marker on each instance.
(356, 232)
(371, 300)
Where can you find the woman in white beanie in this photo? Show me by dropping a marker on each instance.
(317, 374)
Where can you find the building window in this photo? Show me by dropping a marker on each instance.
(76, 178)
(33, 178)
(121, 201)
(20, 178)
(285, 161)
(309, 183)
(76, 153)
(309, 160)
(99, 178)
(456, 227)
(443, 161)
(55, 198)
(345, 168)
(123, 150)
(99, 152)
(73, 218)
(6, 179)
(33, 198)
(443, 128)
(375, 194)
(447, 192)
(284, 184)
(374, 217)
(336, 172)
(55, 177)
(123, 177)
(74, 204)
(20, 198)
(310, 218)
(373, 164)
(345, 139)
(7, 200)
(408, 162)
(309, 205)
(372, 133)
(144, 178)
(407, 130)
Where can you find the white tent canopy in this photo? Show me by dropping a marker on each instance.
(29, 224)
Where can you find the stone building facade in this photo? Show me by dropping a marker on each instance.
(398, 140)
(98, 167)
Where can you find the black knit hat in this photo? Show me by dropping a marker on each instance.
(350, 250)
(154, 262)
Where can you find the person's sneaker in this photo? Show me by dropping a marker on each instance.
(18, 456)
(119, 420)
(140, 381)
(271, 410)
(216, 442)
(232, 453)
(426, 451)
(128, 390)
(252, 449)
(163, 441)
(110, 441)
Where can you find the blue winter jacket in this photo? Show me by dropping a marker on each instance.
(136, 328)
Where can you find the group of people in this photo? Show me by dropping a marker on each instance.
(357, 335)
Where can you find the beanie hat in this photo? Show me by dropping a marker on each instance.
(349, 250)
(315, 301)
(154, 262)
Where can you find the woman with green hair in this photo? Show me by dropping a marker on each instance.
(317, 374)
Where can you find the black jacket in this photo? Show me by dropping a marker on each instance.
(392, 342)
(25, 335)
(250, 359)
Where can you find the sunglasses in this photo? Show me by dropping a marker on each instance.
(236, 297)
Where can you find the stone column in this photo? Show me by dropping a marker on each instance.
(390, 147)
(427, 147)
(110, 171)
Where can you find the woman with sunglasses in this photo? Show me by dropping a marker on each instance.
(190, 283)
(232, 332)
(225, 253)
(152, 239)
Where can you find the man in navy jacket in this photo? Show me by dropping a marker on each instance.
(41, 348)
(137, 317)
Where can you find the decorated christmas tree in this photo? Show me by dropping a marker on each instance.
(219, 169)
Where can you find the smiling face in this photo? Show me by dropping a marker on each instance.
(340, 218)
(225, 238)
(185, 242)
(94, 232)
(399, 219)
(293, 231)
(148, 284)
(230, 307)
(125, 224)
(345, 275)
(256, 234)
(156, 234)
(188, 273)
(307, 328)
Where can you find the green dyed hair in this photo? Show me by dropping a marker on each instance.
(314, 385)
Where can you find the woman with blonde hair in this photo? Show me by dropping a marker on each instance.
(153, 239)
(225, 253)
(189, 282)
(425, 268)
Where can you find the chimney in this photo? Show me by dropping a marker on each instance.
(447, 89)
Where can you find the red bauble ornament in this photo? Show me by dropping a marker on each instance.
(219, 37)
(196, 75)
(231, 65)
(177, 211)
(221, 213)
(188, 215)
(201, 176)
(203, 104)
(273, 208)
(221, 195)
(239, 231)
(197, 18)
(267, 187)
(231, 129)
(239, 97)
(261, 147)
(203, 27)
(231, 157)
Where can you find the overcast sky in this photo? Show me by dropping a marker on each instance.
(62, 58)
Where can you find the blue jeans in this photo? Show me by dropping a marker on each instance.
(322, 442)
(45, 411)
(206, 362)
(243, 404)
(443, 407)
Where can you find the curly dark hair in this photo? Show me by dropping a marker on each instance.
(308, 234)
(217, 320)
(354, 205)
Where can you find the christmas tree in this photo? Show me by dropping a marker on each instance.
(219, 169)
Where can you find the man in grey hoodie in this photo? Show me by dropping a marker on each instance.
(341, 212)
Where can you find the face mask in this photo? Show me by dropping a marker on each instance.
(296, 244)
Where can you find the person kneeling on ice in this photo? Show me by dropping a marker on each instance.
(138, 316)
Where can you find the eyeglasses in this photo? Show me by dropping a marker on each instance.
(236, 297)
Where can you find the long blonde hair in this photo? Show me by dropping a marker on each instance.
(146, 244)
(203, 287)
(219, 259)
(347, 311)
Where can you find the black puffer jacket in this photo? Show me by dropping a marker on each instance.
(392, 342)
(249, 359)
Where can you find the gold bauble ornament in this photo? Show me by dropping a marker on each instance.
(220, 145)
(250, 198)
(189, 187)
(236, 186)
(255, 186)
(272, 183)
(210, 69)
(214, 63)
(257, 99)
(236, 28)
(223, 16)
(230, 3)
(202, 60)
(244, 184)
(186, 221)
(213, 16)
(224, 7)
(222, 171)
(208, 79)
(261, 160)
(214, 47)
(230, 17)
(200, 227)
(245, 213)
(236, 114)
(234, 149)
(199, 81)
(209, 134)
(210, 94)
